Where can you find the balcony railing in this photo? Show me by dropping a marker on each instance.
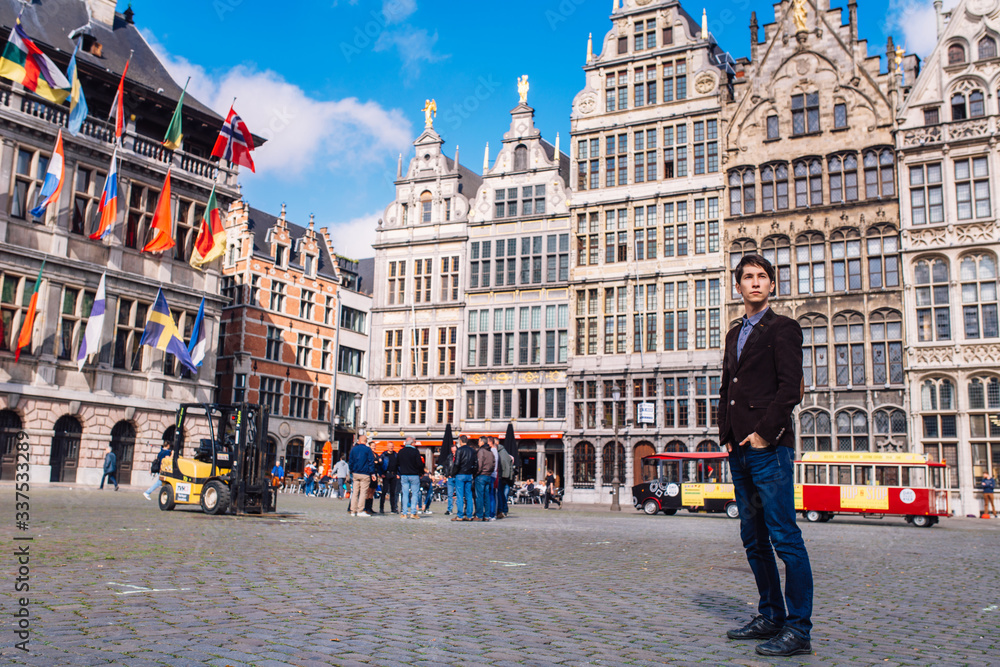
(104, 133)
(946, 132)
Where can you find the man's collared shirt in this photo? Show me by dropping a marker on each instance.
(748, 324)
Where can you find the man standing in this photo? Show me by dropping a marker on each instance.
(155, 468)
(465, 468)
(448, 470)
(411, 467)
(361, 462)
(484, 480)
(390, 480)
(110, 468)
(761, 385)
(340, 471)
(989, 485)
(506, 479)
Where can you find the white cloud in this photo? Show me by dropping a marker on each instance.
(917, 22)
(354, 238)
(397, 11)
(415, 46)
(303, 132)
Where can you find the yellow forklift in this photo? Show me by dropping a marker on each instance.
(230, 471)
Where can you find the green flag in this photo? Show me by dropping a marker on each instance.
(174, 131)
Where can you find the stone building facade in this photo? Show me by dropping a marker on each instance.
(126, 395)
(948, 166)
(647, 277)
(811, 176)
(516, 333)
(279, 330)
(417, 317)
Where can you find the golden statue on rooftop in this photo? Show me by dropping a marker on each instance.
(799, 15)
(522, 88)
(430, 110)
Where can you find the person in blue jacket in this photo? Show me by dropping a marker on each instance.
(361, 461)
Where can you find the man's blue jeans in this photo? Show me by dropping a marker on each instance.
(463, 496)
(491, 497)
(411, 494)
(502, 507)
(765, 494)
(484, 488)
(450, 489)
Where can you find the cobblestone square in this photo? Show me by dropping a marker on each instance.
(116, 581)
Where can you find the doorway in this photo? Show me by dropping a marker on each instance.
(65, 449)
(123, 445)
(10, 426)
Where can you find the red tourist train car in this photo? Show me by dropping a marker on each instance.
(872, 484)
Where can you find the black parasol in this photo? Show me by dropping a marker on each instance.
(510, 444)
(446, 445)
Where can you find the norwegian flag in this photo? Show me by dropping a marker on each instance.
(235, 142)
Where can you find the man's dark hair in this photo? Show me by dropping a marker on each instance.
(464, 439)
(753, 259)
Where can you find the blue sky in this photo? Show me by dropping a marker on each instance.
(338, 85)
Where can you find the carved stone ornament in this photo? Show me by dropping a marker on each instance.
(981, 7)
(968, 129)
(975, 233)
(391, 391)
(588, 103)
(444, 390)
(529, 377)
(936, 355)
(417, 392)
(981, 353)
(928, 238)
(478, 378)
(502, 378)
(705, 83)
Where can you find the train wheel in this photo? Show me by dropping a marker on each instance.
(650, 507)
(732, 511)
(922, 522)
(812, 516)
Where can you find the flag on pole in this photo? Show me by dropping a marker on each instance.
(211, 241)
(161, 332)
(118, 106)
(28, 325)
(24, 63)
(107, 210)
(235, 143)
(77, 101)
(175, 133)
(198, 345)
(160, 226)
(91, 342)
(52, 185)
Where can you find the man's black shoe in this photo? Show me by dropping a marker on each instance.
(759, 628)
(785, 644)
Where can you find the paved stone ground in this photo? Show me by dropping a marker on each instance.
(116, 581)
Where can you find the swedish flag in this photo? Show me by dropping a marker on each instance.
(162, 333)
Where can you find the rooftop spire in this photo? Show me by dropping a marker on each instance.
(486, 159)
(704, 23)
(590, 46)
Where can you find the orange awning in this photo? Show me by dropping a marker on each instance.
(523, 435)
(379, 446)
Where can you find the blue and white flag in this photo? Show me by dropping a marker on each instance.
(197, 345)
(77, 101)
(161, 332)
(91, 342)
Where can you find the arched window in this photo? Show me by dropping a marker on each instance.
(294, 460)
(123, 444)
(737, 250)
(808, 183)
(987, 48)
(774, 187)
(958, 111)
(984, 401)
(815, 363)
(425, 206)
(977, 104)
(979, 295)
(814, 427)
(956, 54)
(939, 424)
(778, 251)
(810, 263)
(879, 177)
(843, 178)
(742, 197)
(887, 347)
(10, 426)
(849, 349)
(845, 251)
(521, 158)
(707, 446)
(65, 449)
(583, 465)
(643, 471)
(852, 431)
(672, 469)
(933, 311)
(883, 256)
(890, 425)
(608, 461)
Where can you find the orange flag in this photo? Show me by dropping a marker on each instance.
(160, 227)
(28, 325)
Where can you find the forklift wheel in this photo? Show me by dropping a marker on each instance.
(215, 498)
(166, 498)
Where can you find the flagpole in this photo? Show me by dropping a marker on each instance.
(122, 101)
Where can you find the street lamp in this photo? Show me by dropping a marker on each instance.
(357, 407)
(616, 395)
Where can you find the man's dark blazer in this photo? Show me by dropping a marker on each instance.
(760, 390)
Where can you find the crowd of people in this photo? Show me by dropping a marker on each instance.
(476, 481)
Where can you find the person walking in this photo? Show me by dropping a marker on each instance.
(506, 480)
(426, 494)
(989, 485)
(484, 480)
(390, 481)
(361, 462)
(155, 468)
(110, 468)
(448, 470)
(465, 466)
(411, 467)
(550, 490)
(761, 385)
(340, 472)
(310, 478)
